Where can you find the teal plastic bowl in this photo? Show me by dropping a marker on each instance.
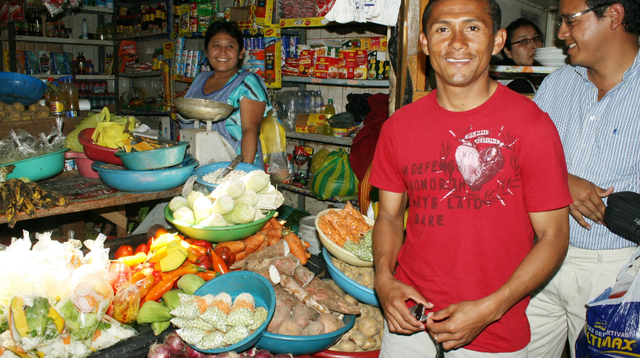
(212, 167)
(40, 167)
(154, 159)
(235, 283)
(218, 234)
(303, 345)
(144, 181)
(16, 87)
(351, 287)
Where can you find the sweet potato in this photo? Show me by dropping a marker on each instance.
(331, 322)
(279, 315)
(300, 315)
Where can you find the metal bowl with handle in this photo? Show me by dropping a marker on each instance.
(202, 109)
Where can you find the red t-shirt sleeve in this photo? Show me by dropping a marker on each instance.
(544, 169)
(385, 171)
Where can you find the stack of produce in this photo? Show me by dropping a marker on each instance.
(18, 112)
(22, 194)
(348, 229)
(233, 202)
(53, 299)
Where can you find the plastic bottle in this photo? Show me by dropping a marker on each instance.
(319, 102)
(80, 61)
(329, 109)
(85, 30)
(56, 102)
(109, 4)
(308, 103)
(70, 95)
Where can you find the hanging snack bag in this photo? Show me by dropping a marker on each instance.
(335, 177)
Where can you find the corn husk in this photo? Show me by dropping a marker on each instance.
(241, 214)
(233, 188)
(223, 204)
(256, 180)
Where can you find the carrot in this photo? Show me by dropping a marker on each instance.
(275, 223)
(305, 244)
(263, 245)
(272, 240)
(241, 255)
(207, 275)
(158, 290)
(279, 232)
(234, 246)
(296, 247)
(96, 334)
(267, 226)
(66, 339)
(253, 243)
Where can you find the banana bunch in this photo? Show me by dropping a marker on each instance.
(18, 195)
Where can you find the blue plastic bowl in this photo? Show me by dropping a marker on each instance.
(144, 181)
(210, 168)
(154, 159)
(303, 345)
(351, 287)
(16, 87)
(235, 283)
(40, 167)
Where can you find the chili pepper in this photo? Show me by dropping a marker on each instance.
(218, 264)
(145, 285)
(202, 243)
(180, 271)
(133, 260)
(159, 289)
(142, 248)
(123, 250)
(207, 275)
(197, 250)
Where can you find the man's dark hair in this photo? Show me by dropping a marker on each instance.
(493, 11)
(228, 27)
(516, 24)
(631, 21)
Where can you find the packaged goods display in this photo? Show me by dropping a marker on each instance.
(141, 20)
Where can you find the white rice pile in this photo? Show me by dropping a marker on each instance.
(213, 176)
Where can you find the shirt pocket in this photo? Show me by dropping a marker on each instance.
(619, 150)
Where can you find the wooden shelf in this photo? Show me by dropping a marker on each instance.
(343, 141)
(59, 40)
(336, 82)
(154, 73)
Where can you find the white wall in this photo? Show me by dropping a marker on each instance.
(514, 9)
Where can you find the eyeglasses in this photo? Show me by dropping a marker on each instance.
(526, 42)
(568, 19)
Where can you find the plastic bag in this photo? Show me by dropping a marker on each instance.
(90, 121)
(335, 177)
(274, 147)
(126, 303)
(111, 134)
(318, 159)
(33, 322)
(613, 328)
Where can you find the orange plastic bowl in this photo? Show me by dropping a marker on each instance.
(97, 152)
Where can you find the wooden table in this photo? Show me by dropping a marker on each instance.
(86, 194)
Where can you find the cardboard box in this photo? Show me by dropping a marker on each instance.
(360, 71)
(125, 60)
(272, 58)
(307, 123)
(291, 67)
(326, 67)
(305, 68)
(347, 64)
(127, 47)
(264, 12)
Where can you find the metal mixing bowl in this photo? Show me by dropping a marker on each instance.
(202, 109)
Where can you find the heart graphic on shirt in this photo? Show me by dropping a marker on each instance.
(476, 167)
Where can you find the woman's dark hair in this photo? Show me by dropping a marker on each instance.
(516, 25)
(631, 21)
(228, 27)
(493, 11)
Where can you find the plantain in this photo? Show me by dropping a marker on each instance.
(9, 198)
(57, 198)
(33, 191)
(15, 186)
(46, 201)
(28, 207)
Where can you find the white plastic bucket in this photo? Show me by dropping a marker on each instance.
(307, 232)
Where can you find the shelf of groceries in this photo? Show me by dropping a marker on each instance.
(336, 81)
(61, 40)
(319, 138)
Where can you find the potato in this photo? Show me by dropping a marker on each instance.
(3, 115)
(14, 116)
(314, 329)
(34, 107)
(300, 315)
(370, 343)
(367, 326)
(42, 113)
(26, 116)
(289, 328)
(280, 314)
(331, 322)
(357, 338)
(346, 346)
(18, 106)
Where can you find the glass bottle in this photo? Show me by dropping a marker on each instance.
(80, 61)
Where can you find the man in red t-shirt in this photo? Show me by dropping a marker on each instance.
(482, 171)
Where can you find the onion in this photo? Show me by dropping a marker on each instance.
(192, 353)
(230, 354)
(282, 355)
(262, 353)
(175, 343)
(159, 351)
(180, 355)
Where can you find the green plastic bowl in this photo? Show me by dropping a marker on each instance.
(154, 159)
(40, 167)
(219, 234)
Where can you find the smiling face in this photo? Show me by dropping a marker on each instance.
(520, 53)
(585, 36)
(223, 53)
(460, 41)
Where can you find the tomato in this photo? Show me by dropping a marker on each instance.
(142, 248)
(123, 250)
(204, 264)
(150, 241)
(226, 255)
(119, 273)
(161, 231)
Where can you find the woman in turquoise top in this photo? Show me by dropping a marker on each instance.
(227, 83)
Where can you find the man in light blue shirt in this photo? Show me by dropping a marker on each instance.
(595, 104)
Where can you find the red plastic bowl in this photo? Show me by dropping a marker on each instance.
(97, 152)
(336, 354)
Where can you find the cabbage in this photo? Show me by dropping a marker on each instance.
(213, 220)
(249, 197)
(177, 203)
(259, 215)
(241, 214)
(202, 208)
(222, 205)
(256, 180)
(192, 196)
(184, 215)
(233, 188)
